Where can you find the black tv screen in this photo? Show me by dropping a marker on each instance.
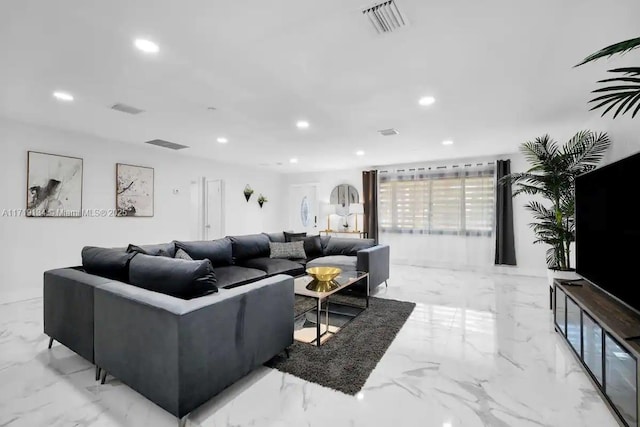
(608, 229)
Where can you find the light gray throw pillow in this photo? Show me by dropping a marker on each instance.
(289, 250)
(182, 254)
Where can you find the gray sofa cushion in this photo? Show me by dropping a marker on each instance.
(171, 276)
(250, 246)
(216, 251)
(273, 266)
(275, 237)
(110, 263)
(346, 263)
(345, 246)
(160, 249)
(234, 275)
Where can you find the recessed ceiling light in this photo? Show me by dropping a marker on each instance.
(222, 140)
(63, 96)
(147, 46)
(426, 100)
(447, 142)
(360, 396)
(302, 124)
(359, 153)
(294, 160)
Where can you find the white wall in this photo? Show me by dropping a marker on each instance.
(430, 250)
(32, 245)
(625, 134)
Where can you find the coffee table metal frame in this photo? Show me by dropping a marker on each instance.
(344, 280)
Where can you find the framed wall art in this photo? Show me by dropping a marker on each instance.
(54, 185)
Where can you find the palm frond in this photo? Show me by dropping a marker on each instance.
(617, 48)
(622, 96)
(582, 153)
(552, 258)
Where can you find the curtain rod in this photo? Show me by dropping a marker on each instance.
(428, 168)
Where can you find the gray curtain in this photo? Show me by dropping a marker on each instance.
(505, 246)
(370, 202)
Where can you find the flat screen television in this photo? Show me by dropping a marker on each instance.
(608, 229)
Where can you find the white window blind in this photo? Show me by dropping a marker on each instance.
(438, 202)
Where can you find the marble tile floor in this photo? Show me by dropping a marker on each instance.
(478, 350)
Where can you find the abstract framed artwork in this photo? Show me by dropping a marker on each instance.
(134, 190)
(54, 185)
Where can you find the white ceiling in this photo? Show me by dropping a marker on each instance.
(501, 71)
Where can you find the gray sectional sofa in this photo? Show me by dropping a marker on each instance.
(178, 331)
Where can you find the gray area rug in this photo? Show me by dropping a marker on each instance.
(346, 360)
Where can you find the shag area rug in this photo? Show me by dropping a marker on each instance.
(347, 359)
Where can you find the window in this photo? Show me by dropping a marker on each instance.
(459, 202)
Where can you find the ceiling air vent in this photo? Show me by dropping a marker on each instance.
(124, 108)
(385, 17)
(388, 132)
(166, 144)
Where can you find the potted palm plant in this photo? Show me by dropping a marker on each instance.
(551, 178)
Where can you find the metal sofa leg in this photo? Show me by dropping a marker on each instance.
(386, 285)
(50, 342)
(103, 376)
(97, 372)
(287, 352)
(182, 422)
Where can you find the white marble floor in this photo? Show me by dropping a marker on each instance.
(478, 350)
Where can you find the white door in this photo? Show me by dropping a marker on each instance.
(214, 209)
(303, 208)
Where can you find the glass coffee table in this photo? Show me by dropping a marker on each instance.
(318, 318)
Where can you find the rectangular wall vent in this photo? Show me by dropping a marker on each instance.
(166, 144)
(388, 132)
(385, 17)
(124, 108)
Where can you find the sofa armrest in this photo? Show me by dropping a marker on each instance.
(375, 261)
(68, 308)
(180, 353)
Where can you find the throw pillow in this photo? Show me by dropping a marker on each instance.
(312, 245)
(181, 254)
(175, 277)
(288, 236)
(289, 250)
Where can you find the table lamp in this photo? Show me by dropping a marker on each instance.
(356, 209)
(328, 210)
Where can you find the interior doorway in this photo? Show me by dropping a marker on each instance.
(303, 208)
(213, 209)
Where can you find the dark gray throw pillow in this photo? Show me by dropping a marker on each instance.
(176, 277)
(288, 250)
(312, 245)
(110, 263)
(217, 251)
(288, 236)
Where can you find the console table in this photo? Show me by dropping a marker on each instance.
(605, 337)
(349, 234)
